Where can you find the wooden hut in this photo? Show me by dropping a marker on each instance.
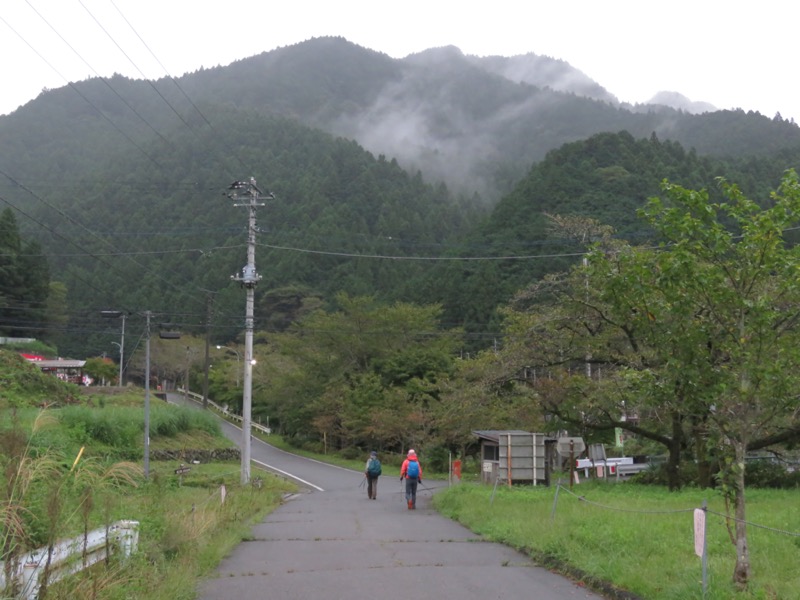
(514, 456)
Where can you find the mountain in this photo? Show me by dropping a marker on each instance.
(405, 179)
(476, 124)
(606, 177)
(680, 102)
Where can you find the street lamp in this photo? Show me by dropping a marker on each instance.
(238, 361)
(113, 314)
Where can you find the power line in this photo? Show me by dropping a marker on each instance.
(77, 91)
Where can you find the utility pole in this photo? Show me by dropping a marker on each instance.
(122, 351)
(209, 302)
(249, 278)
(147, 399)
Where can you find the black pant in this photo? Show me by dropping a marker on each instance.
(372, 487)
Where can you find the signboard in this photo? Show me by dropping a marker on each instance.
(182, 470)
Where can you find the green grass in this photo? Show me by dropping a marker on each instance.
(640, 538)
(185, 529)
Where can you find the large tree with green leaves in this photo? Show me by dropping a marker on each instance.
(364, 373)
(701, 330)
(729, 267)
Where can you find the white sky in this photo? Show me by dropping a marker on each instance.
(732, 53)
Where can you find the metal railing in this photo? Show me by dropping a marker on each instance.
(223, 410)
(70, 556)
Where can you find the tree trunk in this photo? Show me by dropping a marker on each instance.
(741, 572)
(674, 461)
(703, 464)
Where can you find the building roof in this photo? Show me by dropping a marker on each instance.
(493, 435)
(59, 364)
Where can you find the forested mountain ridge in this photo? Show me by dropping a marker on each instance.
(153, 229)
(606, 177)
(476, 123)
(121, 182)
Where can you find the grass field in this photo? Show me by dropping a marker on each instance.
(640, 538)
(185, 528)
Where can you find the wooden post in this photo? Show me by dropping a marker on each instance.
(508, 458)
(571, 462)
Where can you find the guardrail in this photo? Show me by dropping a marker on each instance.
(223, 410)
(619, 467)
(70, 556)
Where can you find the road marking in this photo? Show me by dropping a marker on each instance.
(282, 472)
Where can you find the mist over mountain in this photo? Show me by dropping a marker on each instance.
(474, 123)
(680, 102)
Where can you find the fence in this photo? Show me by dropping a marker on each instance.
(223, 410)
(70, 556)
(699, 523)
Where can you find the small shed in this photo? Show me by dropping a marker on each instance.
(514, 456)
(66, 370)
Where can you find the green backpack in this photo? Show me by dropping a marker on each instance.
(374, 468)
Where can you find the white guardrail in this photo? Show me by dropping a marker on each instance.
(71, 556)
(223, 410)
(611, 467)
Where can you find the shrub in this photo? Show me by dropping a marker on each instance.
(768, 474)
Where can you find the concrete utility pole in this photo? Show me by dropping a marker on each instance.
(209, 302)
(249, 278)
(147, 399)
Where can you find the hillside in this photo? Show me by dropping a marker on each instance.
(122, 182)
(477, 124)
(606, 177)
(154, 230)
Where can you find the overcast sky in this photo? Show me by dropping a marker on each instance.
(732, 54)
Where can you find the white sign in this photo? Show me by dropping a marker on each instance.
(699, 531)
(487, 466)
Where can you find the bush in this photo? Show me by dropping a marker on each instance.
(768, 474)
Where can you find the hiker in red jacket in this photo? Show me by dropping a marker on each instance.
(412, 472)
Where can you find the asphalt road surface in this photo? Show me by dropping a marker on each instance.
(330, 541)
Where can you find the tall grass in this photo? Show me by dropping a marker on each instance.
(185, 531)
(639, 538)
(185, 528)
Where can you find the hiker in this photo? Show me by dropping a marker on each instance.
(412, 472)
(372, 470)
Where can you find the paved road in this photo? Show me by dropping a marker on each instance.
(330, 541)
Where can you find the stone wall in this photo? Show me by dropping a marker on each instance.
(202, 456)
